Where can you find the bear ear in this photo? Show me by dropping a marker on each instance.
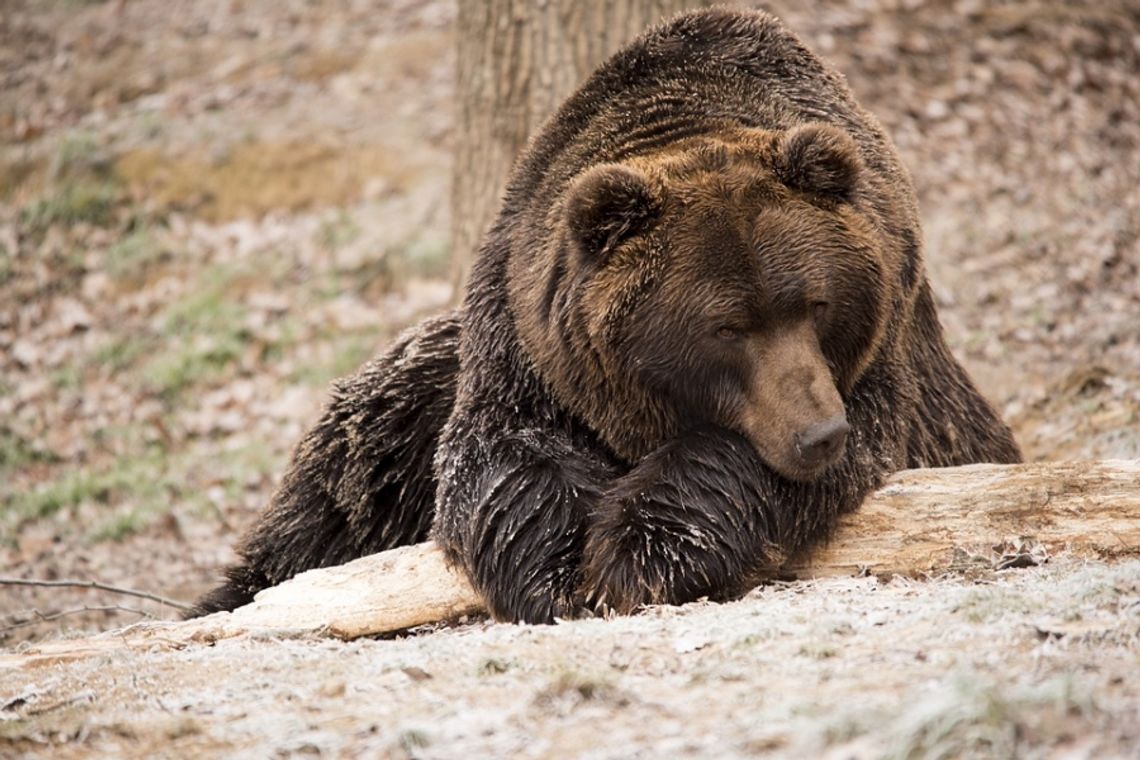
(820, 159)
(607, 204)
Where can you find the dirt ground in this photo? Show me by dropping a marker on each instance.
(1036, 663)
(209, 209)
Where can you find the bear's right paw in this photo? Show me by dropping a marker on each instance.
(632, 561)
(613, 583)
(529, 596)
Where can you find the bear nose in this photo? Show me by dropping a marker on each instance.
(821, 443)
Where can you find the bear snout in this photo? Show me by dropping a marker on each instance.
(820, 445)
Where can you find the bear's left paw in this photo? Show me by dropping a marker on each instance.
(618, 573)
(635, 557)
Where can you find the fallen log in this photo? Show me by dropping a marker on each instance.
(921, 523)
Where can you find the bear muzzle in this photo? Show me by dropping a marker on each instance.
(793, 412)
(820, 445)
(801, 452)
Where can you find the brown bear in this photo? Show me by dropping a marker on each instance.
(698, 331)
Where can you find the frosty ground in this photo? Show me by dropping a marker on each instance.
(1031, 663)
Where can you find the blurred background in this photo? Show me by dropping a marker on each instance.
(210, 209)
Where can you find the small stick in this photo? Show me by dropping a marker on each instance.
(42, 617)
(95, 585)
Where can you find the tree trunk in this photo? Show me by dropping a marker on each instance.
(922, 522)
(518, 59)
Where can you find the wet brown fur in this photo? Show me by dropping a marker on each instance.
(708, 251)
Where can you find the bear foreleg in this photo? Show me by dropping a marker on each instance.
(694, 518)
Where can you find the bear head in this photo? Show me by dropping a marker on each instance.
(736, 279)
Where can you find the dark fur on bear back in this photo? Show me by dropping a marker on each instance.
(557, 486)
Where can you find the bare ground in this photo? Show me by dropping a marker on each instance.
(1036, 663)
(209, 209)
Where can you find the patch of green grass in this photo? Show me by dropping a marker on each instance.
(288, 331)
(134, 253)
(351, 351)
(125, 438)
(151, 124)
(376, 275)
(67, 377)
(427, 256)
(143, 479)
(233, 471)
(69, 490)
(192, 361)
(208, 306)
(201, 337)
(7, 263)
(79, 155)
(14, 172)
(327, 285)
(16, 452)
(119, 526)
(84, 201)
(198, 338)
(134, 489)
(119, 353)
(77, 3)
(82, 188)
(337, 231)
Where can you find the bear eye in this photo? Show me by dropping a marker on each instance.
(819, 310)
(728, 332)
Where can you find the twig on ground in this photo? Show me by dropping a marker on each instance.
(45, 617)
(96, 585)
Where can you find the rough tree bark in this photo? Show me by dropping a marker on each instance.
(922, 522)
(517, 60)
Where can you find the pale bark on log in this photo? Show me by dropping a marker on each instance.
(921, 523)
